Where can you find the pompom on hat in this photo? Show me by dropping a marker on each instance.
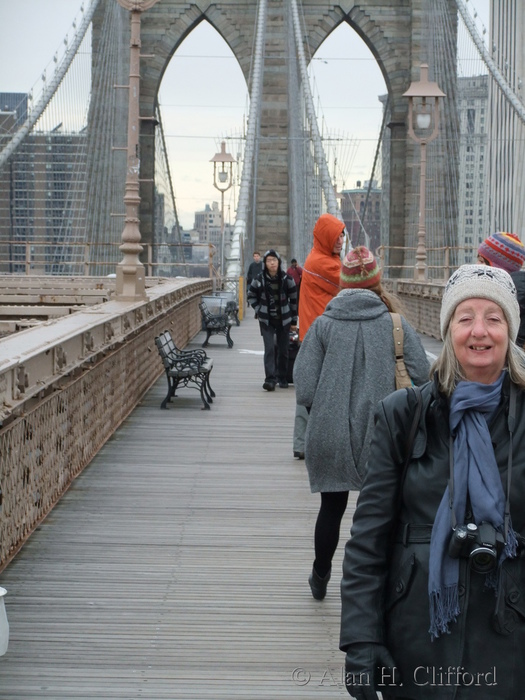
(481, 282)
(359, 270)
(503, 250)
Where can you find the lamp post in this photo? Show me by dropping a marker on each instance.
(222, 181)
(423, 108)
(130, 282)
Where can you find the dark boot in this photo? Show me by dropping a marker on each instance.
(318, 584)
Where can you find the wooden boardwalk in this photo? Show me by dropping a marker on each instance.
(176, 565)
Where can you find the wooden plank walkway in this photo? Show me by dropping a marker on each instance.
(176, 565)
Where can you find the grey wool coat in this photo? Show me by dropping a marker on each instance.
(344, 367)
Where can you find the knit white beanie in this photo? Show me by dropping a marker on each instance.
(481, 281)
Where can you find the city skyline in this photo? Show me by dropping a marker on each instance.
(204, 98)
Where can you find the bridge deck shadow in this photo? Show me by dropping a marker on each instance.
(176, 565)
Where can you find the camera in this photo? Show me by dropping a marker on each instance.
(481, 544)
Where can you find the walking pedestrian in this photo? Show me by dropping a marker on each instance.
(255, 268)
(319, 284)
(346, 364)
(296, 272)
(273, 295)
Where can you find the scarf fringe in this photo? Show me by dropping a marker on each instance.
(511, 546)
(444, 609)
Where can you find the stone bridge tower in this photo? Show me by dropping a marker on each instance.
(393, 31)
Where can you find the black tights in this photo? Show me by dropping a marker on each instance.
(327, 527)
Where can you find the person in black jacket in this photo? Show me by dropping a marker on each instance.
(255, 268)
(433, 589)
(273, 295)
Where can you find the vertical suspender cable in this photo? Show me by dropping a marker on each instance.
(494, 70)
(233, 262)
(319, 155)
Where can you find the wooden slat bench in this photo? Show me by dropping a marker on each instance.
(215, 324)
(185, 368)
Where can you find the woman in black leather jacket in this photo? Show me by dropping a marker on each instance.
(433, 606)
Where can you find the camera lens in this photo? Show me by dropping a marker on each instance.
(483, 559)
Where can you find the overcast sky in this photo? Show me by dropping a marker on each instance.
(203, 95)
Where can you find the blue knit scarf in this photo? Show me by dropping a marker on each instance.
(476, 474)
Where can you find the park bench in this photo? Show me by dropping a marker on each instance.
(186, 368)
(215, 324)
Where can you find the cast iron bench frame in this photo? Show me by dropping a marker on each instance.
(215, 324)
(185, 368)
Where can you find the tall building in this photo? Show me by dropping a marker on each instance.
(208, 224)
(15, 103)
(42, 201)
(473, 95)
(505, 177)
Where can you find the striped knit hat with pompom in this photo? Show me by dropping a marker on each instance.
(359, 270)
(503, 250)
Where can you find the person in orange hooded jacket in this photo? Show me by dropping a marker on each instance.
(321, 270)
(319, 284)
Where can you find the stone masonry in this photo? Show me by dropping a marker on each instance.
(392, 29)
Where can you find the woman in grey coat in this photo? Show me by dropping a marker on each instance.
(345, 366)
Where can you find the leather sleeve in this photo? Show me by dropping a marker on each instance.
(365, 566)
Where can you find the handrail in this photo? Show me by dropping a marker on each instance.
(39, 254)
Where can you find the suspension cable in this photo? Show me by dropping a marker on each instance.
(50, 90)
(233, 266)
(319, 155)
(498, 76)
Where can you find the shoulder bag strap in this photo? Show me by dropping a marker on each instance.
(398, 335)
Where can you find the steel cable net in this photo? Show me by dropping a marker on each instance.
(438, 50)
(306, 201)
(474, 174)
(43, 152)
(61, 207)
(311, 189)
(169, 254)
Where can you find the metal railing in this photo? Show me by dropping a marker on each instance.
(67, 393)
(159, 260)
(441, 261)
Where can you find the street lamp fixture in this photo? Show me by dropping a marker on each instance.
(130, 282)
(423, 127)
(222, 181)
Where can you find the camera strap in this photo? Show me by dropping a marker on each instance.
(511, 422)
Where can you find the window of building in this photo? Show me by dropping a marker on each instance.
(471, 120)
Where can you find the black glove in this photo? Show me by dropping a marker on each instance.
(368, 665)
